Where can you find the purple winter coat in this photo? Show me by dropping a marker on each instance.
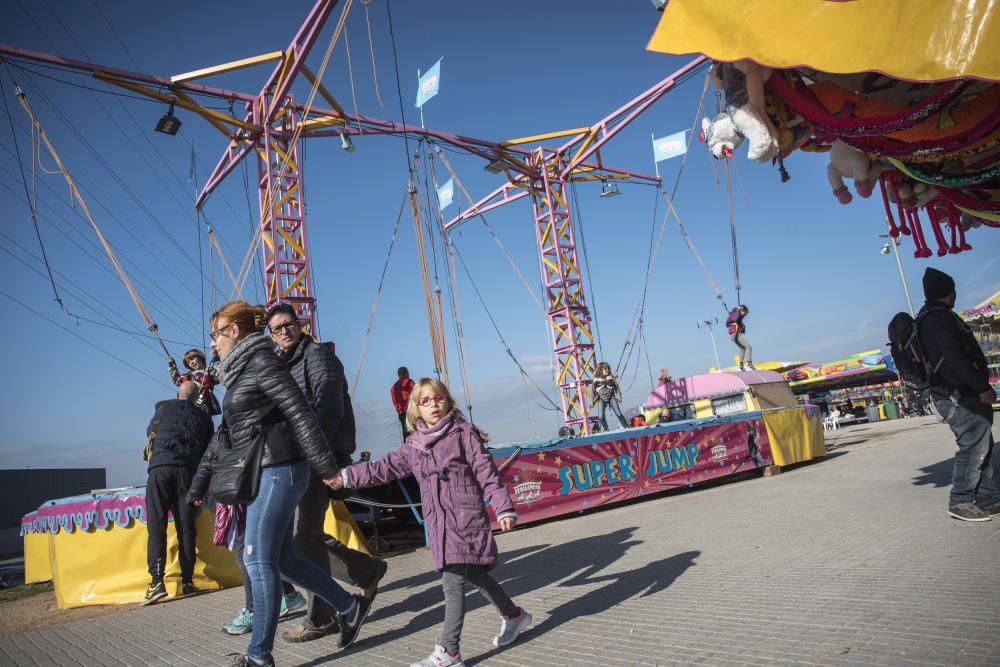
(455, 473)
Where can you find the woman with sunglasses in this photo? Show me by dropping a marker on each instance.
(263, 400)
(448, 457)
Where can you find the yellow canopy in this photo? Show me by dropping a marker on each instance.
(920, 40)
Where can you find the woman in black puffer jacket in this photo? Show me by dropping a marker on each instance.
(263, 399)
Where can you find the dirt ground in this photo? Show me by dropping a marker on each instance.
(39, 611)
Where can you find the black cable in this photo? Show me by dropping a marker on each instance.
(399, 90)
(75, 335)
(27, 192)
(497, 329)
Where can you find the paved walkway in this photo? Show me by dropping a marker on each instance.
(850, 560)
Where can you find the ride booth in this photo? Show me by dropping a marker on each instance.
(93, 548)
(726, 423)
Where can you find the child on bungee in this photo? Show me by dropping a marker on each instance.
(448, 458)
(205, 376)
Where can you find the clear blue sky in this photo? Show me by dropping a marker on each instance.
(812, 273)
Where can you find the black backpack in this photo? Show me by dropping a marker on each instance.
(912, 365)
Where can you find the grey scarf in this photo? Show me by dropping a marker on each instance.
(232, 365)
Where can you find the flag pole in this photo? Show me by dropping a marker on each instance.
(656, 165)
(421, 107)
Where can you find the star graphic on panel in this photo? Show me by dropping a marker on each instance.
(594, 447)
(538, 468)
(517, 478)
(646, 484)
(584, 503)
(541, 456)
(558, 460)
(603, 497)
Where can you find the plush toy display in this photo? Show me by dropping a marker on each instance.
(848, 162)
(743, 85)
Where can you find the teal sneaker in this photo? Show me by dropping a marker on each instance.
(241, 625)
(291, 604)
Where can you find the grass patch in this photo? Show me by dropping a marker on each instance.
(25, 591)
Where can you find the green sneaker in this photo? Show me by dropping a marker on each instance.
(155, 591)
(241, 625)
(291, 604)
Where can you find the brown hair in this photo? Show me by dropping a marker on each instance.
(603, 369)
(193, 354)
(250, 319)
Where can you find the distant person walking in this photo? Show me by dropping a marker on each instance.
(179, 432)
(736, 326)
(263, 401)
(608, 394)
(320, 375)
(961, 392)
(448, 458)
(400, 394)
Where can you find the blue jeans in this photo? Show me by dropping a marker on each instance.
(615, 407)
(270, 556)
(977, 470)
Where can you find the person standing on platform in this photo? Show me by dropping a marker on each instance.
(608, 394)
(736, 326)
(179, 433)
(320, 375)
(400, 394)
(961, 392)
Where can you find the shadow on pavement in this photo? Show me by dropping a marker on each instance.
(938, 474)
(575, 563)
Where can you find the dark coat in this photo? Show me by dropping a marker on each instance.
(203, 475)
(181, 436)
(945, 336)
(455, 474)
(320, 375)
(264, 399)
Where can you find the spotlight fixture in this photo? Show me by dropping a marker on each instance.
(885, 249)
(495, 167)
(609, 189)
(345, 143)
(168, 123)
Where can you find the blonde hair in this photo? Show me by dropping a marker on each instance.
(431, 386)
(250, 319)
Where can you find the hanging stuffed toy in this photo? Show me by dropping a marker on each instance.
(720, 135)
(848, 162)
(743, 83)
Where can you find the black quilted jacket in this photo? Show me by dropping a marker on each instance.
(320, 375)
(265, 398)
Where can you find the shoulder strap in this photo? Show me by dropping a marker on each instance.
(157, 417)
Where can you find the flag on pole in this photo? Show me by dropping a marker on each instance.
(665, 148)
(427, 84)
(446, 193)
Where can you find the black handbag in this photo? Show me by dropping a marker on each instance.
(236, 470)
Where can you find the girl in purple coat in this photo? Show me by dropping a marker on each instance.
(447, 456)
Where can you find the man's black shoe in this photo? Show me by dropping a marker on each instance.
(350, 623)
(189, 589)
(247, 661)
(968, 512)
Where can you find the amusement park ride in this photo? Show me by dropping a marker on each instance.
(275, 122)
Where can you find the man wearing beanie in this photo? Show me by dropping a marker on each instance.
(960, 388)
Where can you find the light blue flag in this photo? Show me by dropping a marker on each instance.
(446, 193)
(665, 148)
(427, 84)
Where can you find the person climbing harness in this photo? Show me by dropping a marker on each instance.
(737, 333)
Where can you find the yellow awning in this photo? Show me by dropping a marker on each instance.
(920, 40)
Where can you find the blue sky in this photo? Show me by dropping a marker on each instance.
(811, 269)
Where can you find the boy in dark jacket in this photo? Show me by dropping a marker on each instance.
(180, 433)
(961, 391)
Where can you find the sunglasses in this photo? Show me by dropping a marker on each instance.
(425, 401)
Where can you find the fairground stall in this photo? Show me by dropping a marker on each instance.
(93, 548)
(863, 387)
(569, 475)
(984, 320)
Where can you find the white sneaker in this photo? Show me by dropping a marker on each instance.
(440, 658)
(511, 627)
